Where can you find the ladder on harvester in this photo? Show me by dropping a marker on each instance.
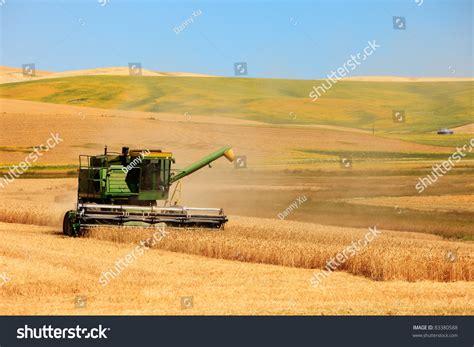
(175, 196)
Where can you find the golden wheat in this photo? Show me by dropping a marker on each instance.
(31, 215)
(48, 271)
(391, 256)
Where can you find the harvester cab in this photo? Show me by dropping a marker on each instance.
(123, 189)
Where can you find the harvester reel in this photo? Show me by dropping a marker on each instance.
(125, 215)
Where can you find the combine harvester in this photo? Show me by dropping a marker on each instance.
(123, 189)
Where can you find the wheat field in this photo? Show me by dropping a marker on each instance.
(391, 256)
(48, 271)
(255, 266)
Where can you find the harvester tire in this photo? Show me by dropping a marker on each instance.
(68, 224)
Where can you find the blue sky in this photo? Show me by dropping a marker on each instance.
(277, 39)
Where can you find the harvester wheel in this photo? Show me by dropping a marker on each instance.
(68, 224)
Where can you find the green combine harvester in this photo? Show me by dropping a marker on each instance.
(123, 189)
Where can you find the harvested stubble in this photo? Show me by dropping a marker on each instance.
(391, 256)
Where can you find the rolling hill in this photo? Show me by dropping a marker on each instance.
(362, 105)
(14, 74)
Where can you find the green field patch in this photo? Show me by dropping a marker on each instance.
(382, 155)
(89, 145)
(16, 149)
(455, 140)
(5, 167)
(428, 106)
